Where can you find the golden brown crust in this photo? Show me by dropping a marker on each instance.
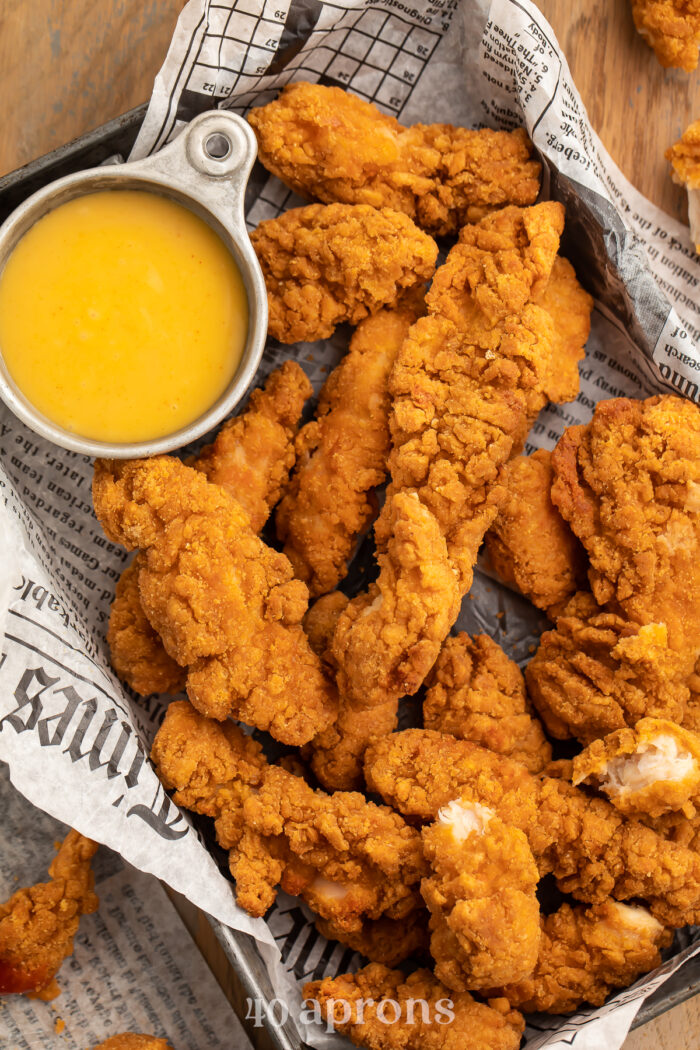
(477, 693)
(387, 941)
(38, 924)
(530, 545)
(329, 263)
(330, 145)
(133, 1041)
(672, 29)
(342, 454)
(481, 1027)
(570, 307)
(684, 156)
(585, 954)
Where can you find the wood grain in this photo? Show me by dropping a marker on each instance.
(67, 66)
(637, 108)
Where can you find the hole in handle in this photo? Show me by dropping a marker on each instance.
(217, 146)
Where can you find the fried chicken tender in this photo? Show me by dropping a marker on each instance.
(330, 145)
(221, 600)
(387, 941)
(337, 753)
(387, 638)
(475, 692)
(684, 156)
(253, 453)
(329, 263)
(342, 454)
(464, 383)
(38, 923)
(135, 649)
(646, 771)
(349, 859)
(132, 1041)
(591, 849)
(570, 306)
(597, 672)
(587, 952)
(356, 1004)
(530, 545)
(628, 483)
(485, 917)
(672, 29)
(251, 458)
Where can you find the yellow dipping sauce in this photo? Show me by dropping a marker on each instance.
(123, 316)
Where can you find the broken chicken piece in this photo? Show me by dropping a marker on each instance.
(672, 29)
(38, 924)
(684, 156)
(329, 263)
(646, 771)
(484, 914)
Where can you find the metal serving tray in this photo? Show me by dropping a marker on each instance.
(249, 977)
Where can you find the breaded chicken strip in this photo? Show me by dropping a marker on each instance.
(253, 453)
(330, 145)
(684, 156)
(591, 849)
(387, 638)
(587, 952)
(672, 29)
(464, 384)
(628, 483)
(349, 859)
(530, 545)
(221, 600)
(337, 754)
(38, 924)
(135, 650)
(570, 307)
(597, 672)
(251, 457)
(646, 771)
(387, 941)
(132, 1041)
(427, 1016)
(329, 263)
(342, 454)
(484, 913)
(477, 693)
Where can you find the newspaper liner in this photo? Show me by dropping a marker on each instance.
(76, 742)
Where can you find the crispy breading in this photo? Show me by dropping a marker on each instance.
(386, 640)
(342, 454)
(338, 752)
(463, 385)
(530, 545)
(251, 458)
(646, 771)
(591, 849)
(484, 913)
(327, 144)
(135, 649)
(387, 941)
(684, 156)
(587, 952)
(570, 307)
(329, 263)
(253, 453)
(38, 923)
(628, 483)
(477, 693)
(133, 1041)
(672, 29)
(597, 672)
(355, 1003)
(349, 859)
(220, 599)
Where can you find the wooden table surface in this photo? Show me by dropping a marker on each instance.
(67, 66)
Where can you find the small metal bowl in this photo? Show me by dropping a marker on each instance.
(206, 169)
